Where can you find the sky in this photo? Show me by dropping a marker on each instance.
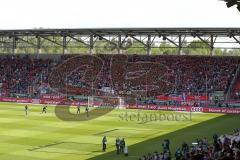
(30, 14)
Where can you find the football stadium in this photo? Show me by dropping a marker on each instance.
(119, 93)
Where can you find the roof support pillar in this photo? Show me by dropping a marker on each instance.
(212, 53)
(64, 44)
(14, 45)
(119, 47)
(91, 44)
(39, 45)
(180, 45)
(149, 45)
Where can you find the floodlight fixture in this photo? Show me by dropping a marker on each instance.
(231, 3)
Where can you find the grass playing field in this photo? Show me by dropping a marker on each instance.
(44, 136)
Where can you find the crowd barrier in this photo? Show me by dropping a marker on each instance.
(63, 101)
(187, 109)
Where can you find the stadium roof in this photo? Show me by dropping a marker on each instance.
(118, 38)
(124, 31)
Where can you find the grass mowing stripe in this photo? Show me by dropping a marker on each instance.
(108, 131)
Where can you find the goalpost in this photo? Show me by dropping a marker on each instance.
(106, 101)
(121, 103)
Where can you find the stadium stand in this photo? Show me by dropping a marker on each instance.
(140, 75)
(19, 73)
(236, 90)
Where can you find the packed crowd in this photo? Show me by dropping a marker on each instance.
(153, 75)
(224, 147)
(119, 74)
(18, 73)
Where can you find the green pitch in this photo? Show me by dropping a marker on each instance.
(45, 137)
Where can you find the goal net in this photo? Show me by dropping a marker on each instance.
(106, 101)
